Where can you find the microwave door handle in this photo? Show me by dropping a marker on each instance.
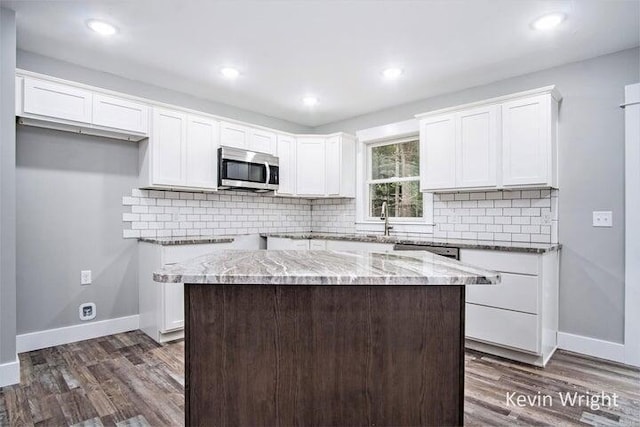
(266, 165)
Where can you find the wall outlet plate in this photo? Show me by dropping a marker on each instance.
(87, 311)
(602, 219)
(85, 277)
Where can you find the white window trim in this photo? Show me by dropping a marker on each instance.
(381, 135)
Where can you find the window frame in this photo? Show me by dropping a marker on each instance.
(369, 180)
(380, 135)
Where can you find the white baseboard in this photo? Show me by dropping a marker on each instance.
(51, 337)
(10, 372)
(591, 347)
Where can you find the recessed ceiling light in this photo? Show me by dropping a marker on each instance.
(229, 72)
(309, 101)
(392, 73)
(101, 27)
(548, 22)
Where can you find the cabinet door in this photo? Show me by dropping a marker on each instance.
(333, 166)
(526, 141)
(202, 153)
(120, 114)
(232, 135)
(287, 164)
(56, 101)
(262, 141)
(310, 166)
(437, 153)
(168, 144)
(173, 307)
(476, 141)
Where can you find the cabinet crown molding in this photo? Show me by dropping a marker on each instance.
(551, 90)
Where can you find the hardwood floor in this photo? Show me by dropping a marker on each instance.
(129, 380)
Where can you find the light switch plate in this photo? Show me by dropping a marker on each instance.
(602, 219)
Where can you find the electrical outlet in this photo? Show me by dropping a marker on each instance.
(87, 311)
(546, 219)
(85, 277)
(175, 217)
(602, 219)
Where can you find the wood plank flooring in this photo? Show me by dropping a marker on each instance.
(129, 380)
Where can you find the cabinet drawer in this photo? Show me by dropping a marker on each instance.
(515, 292)
(56, 101)
(502, 327)
(120, 114)
(507, 262)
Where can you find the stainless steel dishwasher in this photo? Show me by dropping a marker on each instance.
(444, 251)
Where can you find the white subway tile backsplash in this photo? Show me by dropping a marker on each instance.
(171, 213)
(494, 215)
(505, 215)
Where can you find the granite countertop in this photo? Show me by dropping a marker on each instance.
(273, 267)
(187, 240)
(456, 243)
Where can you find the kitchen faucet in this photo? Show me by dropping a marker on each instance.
(384, 214)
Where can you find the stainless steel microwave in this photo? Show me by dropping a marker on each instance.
(247, 170)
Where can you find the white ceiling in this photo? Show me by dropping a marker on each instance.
(333, 49)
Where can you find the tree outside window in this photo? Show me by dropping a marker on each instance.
(395, 178)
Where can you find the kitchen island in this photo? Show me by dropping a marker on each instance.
(282, 338)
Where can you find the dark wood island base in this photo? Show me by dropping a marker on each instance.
(285, 355)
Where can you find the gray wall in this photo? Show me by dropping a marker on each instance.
(69, 204)
(591, 137)
(7, 187)
(65, 70)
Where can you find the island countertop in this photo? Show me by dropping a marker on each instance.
(273, 267)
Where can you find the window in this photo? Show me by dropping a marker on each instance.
(394, 177)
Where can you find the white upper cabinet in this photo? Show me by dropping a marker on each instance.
(287, 163)
(58, 105)
(181, 152)
(247, 138)
(310, 166)
(333, 165)
(529, 141)
(476, 140)
(506, 142)
(325, 166)
(262, 141)
(168, 147)
(120, 113)
(56, 101)
(234, 135)
(202, 152)
(438, 153)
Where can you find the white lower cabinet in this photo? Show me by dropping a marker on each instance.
(285, 244)
(518, 318)
(162, 304)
